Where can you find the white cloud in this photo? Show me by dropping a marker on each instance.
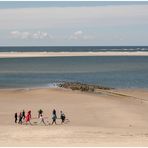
(94, 25)
(30, 35)
(25, 35)
(40, 35)
(15, 34)
(79, 35)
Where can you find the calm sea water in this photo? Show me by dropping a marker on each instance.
(113, 71)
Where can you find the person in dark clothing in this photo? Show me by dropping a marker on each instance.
(54, 116)
(20, 118)
(23, 114)
(54, 112)
(62, 117)
(15, 116)
(40, 113)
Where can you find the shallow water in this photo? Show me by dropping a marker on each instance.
(113, 71)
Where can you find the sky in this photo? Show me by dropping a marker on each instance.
(91, 23)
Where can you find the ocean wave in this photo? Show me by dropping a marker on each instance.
(53, 85)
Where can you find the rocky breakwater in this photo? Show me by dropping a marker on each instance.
(82, 87)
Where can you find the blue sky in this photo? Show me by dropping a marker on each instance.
(73, 23)
(32, 4)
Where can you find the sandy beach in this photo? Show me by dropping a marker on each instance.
(68, 54)
(106, 118)
(85, 59)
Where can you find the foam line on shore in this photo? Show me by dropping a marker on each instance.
(68, 54)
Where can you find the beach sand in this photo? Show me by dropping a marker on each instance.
(106, 118)
(68, 54)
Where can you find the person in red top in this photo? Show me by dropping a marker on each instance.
(29, 114)
(28, 117)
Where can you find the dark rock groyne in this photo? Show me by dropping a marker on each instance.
(82, 86)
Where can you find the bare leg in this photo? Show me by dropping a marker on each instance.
(43, 121)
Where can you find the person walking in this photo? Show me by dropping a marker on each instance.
(40, 112)
(42, 119)
(23, 114)
(62, 117)
(20, 118)
(28, 117)
(54, 116)
(15, 116)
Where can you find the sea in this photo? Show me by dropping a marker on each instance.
(110, 71)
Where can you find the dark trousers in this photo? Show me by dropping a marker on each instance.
(15, 120)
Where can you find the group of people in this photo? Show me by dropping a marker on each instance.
(23, 117)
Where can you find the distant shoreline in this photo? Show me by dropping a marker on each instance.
(68, 54)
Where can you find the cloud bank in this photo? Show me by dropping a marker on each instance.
(72, 16)
(30, 35)
(79, 35)
(100, 25)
